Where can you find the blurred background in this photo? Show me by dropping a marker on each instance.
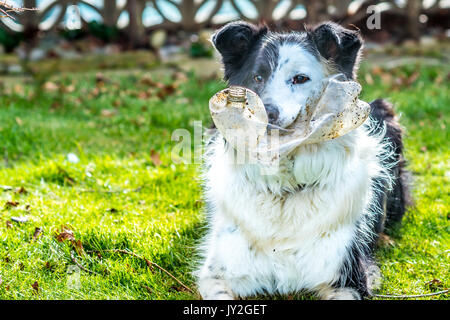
(75, 28)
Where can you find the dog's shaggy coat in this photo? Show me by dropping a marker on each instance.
(313, 225)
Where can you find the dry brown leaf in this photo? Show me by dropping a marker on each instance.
(412, 78)
(100, 79)
(37, 232)
(69, 89)
(149, 290)
(147, 81)
(166, 90)
(21, 190)
(377, 71)
(368, 79)
(10, 204)
(8, 224)
(179, 288)
(65, 234)
(154, 155)
(78, 246)
(35, 287)
(50, 86)
(434, 284)
(438, 79)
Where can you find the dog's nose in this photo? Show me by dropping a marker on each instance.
(272, 113)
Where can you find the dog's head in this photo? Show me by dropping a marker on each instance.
(285, 69)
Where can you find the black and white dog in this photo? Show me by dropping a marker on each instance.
(313, 225)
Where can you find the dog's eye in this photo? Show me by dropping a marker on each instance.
(299, 79)
(258, 78)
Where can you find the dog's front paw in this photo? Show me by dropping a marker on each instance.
(339, 294)
(212, 288)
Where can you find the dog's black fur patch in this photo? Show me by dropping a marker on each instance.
(339, 45)
(399, 197)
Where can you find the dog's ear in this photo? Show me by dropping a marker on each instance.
(339, 45)
(235, 40)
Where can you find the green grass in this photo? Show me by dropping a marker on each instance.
(118, 196)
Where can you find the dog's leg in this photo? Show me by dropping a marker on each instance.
(211, 284)
(330, 293)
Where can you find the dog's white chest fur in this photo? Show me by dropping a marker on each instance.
(292, 230)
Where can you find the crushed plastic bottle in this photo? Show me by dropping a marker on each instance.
(240, 116)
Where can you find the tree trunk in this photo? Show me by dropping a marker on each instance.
(135, 30)
(110, 13)
(413, 11)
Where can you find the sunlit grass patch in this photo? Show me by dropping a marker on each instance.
(113, 192)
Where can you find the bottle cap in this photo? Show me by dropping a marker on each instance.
(236, 94)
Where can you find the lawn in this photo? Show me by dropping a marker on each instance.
(86, 171)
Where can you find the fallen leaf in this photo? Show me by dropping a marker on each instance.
(376, 70)
(148, 81)
(180, 77)
(10, 204)
(100, 78)
(35, 286)
(37, 232)
(21, 190)
(412, 78)
(166, 90)
(50, 86)
(55, 105)
(369, 79)
(438, 79)
(149, 290)
(78, 246)
(154, 155)
(8, 224)
(65, 234)
(434, 284)
(69, 89)
(67, 178)
(179, 288)
(48, 266)
(143, 95)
